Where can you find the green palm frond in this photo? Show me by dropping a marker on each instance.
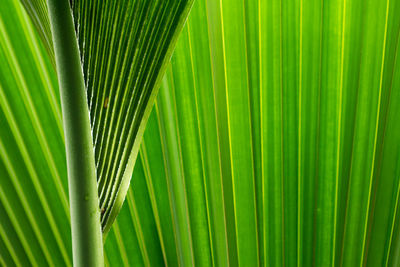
(274, 141)
(124, 47)
(34, 198)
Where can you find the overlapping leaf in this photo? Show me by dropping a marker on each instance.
(34, 214)
(124, 47)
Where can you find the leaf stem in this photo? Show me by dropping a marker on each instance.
(87, 242)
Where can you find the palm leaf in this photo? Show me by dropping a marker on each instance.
(34, 203)
(124, 50)
(323, 118)
(120, 83)
(34, 214)
(274, 141)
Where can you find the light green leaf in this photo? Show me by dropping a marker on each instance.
(325, 83)
(34, 202)
(274, 141)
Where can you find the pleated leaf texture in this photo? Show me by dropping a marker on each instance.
(284, 146)
(274, 141)
(124, 47)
